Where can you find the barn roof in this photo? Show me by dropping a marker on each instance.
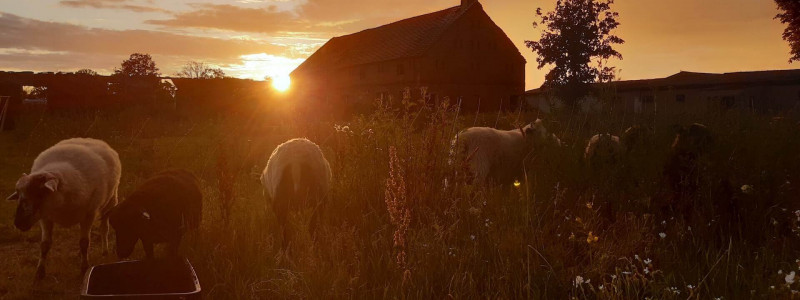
(410, 37)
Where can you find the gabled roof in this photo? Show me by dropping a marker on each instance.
(686, 79)
(411, 37)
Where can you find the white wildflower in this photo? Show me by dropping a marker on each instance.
(789, 278)
(647, 261)
(662, 235)
(578, 281)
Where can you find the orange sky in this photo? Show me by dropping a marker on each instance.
(257, 38)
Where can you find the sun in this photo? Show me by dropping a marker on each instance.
(281, 83)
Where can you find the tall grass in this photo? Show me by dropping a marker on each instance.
(394, 229)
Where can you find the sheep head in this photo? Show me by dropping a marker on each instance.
(32, 192)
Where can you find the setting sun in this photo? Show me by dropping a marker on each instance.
(281, 83)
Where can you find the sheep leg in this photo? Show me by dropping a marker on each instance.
(86, 228)
(104, 235)
(47, 241)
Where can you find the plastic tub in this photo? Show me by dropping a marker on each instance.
(142, 279)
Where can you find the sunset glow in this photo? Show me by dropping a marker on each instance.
(281, 83)
(255, 38)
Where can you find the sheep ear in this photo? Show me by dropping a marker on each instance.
(51, 184)
(14, 196)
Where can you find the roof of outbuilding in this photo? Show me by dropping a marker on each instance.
(686, 79)
(410, 37)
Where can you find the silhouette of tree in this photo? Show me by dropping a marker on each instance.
(790, 15)
(195, 69)
(89, 72)
(138, 65)
(577, 41)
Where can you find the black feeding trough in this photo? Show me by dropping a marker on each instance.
(142, 279)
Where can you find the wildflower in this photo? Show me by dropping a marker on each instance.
(648, 261)
(589, 205)
(517, 184)
(591, 238)
(472, 237)
(578, 219)
(636, 256)
(780, 272)
(646, 270)
(690, 286)
(789, 278)
(747, 189)
(772, 287)
(578, 281)
(571, 236)
(600, 287)
(662, 235)
(664, 222)
(613, 276)
(690, 228)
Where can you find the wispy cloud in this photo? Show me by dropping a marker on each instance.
(313, 17)
(113, 4)
(233, 18)
(30, 34)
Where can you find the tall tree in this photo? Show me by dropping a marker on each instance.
(790, 15)
(138, 65)
(577, 41)
(202, 70)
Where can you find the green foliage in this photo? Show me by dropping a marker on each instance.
(790, 16)
(577, 42)
(202, 70)
(89, 72)
(138, 64)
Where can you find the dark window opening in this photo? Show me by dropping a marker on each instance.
(728, 101)
(680, 98)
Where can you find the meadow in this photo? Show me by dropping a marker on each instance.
(394, 229)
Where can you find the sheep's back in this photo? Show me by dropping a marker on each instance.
(170, 194)
(300, 154)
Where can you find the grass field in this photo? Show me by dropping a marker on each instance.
(417, 238)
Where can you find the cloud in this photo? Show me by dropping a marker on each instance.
(312, 18)
(233, 18)
(112, 4)
(29, 34)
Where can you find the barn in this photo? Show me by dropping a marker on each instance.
(458, 53)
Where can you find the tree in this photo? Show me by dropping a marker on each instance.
(89, 72)
(790, 15)
(138, 65)
(195, 69)
(578, 42)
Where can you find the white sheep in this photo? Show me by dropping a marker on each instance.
(70, 183)
(602, 151)
(497, 155)
(297, 176)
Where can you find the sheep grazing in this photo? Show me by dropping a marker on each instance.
(688, 158)
(297, 176)
(70, 183)
(160, 210)
(602, 151)
(497, 155)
